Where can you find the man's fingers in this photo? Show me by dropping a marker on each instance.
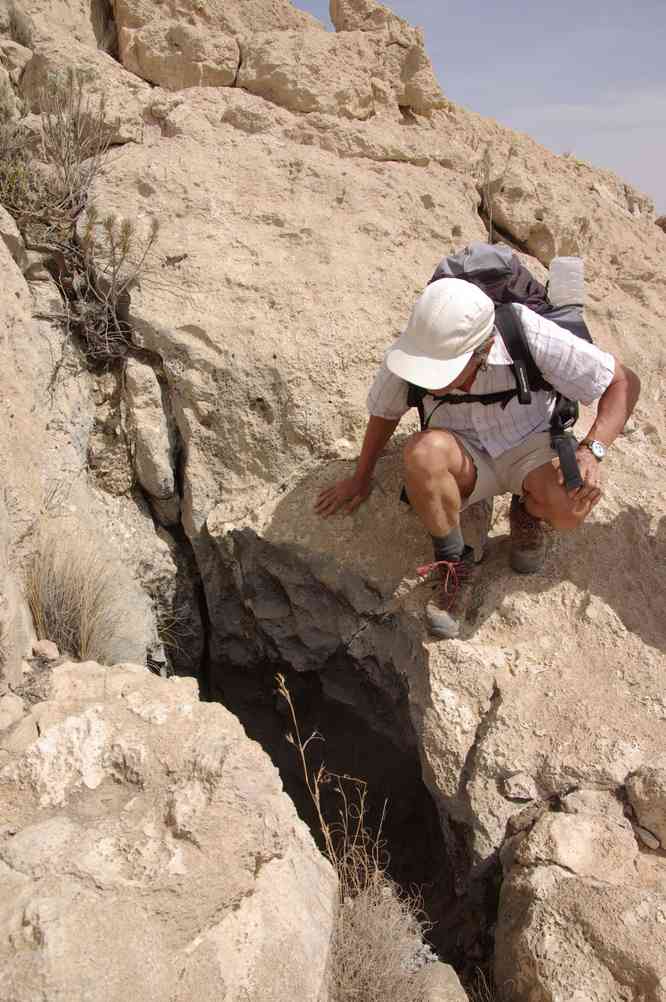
(328, 506)
(352, 505)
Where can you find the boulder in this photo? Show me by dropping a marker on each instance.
(12, 239)
(196, 44)
(87, 22)
(311, 71)
(147, 841)
(579, 915)
(152, 448)
(13, 57)
(177, 55)
(123, 94)
(439, 983)
(646, 789)
(404, 65)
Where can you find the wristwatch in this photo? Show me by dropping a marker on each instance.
(598, 449)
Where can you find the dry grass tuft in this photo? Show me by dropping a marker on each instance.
(378, 941)
(82, 599)
(480, 988)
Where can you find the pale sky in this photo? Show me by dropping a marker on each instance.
(579, 76)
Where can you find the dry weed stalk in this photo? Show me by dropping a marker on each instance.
(45, 182)
(45, 176)
(491, 185)
(378, 939)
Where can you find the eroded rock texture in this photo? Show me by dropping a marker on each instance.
(143, 829)
(301, 210)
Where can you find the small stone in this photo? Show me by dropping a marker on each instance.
(11, 710)
(45, 649)
(647, 838)
(526, 818)
(520, 786)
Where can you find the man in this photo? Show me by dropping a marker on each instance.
(471, 452)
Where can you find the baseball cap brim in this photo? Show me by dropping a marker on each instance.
(430, 373)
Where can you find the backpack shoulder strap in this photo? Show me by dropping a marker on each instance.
(528, 376)
(415, 395)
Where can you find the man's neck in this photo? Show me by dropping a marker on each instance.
(467, 385)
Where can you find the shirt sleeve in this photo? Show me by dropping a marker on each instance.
(387, 397)
(576, 369)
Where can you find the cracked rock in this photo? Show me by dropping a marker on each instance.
(142, 818)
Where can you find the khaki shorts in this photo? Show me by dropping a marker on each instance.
(506, 474)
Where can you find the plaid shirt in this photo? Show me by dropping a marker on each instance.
(576, 369)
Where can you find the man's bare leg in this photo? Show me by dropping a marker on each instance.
(439, 473)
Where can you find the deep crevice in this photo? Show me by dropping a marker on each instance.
(368, 735)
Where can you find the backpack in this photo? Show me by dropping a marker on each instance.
(498, 272)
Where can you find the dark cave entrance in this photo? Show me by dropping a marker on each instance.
(365, 735)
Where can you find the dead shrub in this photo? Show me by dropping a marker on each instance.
(46, 171)
(83, 599)
(378, 941)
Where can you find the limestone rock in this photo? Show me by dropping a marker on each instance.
(48, 415)
(311, 71)
(151, 444)
(520, 787)
(196, 44)
(439, 983)
(45, 649)
(15, 620)
(232, 17)
(142, 821)
(123, 93)
(405, 68)
(83, 21)
(11, 710)
(13, 240)
(8, 107)
(593, 802)
(647, 838)
(177, 55)
(661, 223)
(13, 56)
(646, 790)
(573, 928)
(596, 847)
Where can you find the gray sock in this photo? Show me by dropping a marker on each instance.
(449, 547)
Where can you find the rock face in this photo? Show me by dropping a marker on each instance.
(142, 825)
(152, 445)
(584, 873)
(301, 211)
(195, 44)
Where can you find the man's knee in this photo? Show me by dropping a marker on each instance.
(559, 512)
(426, 451)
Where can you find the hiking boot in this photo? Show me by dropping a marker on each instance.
(443, 612)
(528, 540)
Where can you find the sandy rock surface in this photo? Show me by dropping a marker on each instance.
(585, 873)
(301, 211)
(143, 828)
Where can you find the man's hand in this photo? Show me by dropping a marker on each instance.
(347, 494)
(590, 471)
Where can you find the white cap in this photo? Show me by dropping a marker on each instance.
(449, 320)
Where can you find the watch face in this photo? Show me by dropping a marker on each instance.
(598, 450)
